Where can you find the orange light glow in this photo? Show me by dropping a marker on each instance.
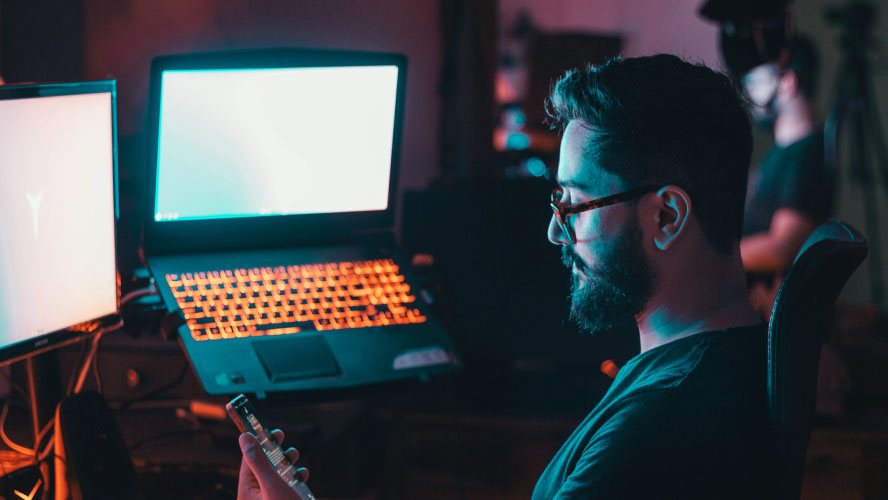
(280, 300)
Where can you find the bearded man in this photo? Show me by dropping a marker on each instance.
(648, 210)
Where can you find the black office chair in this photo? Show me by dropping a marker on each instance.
(799, 322)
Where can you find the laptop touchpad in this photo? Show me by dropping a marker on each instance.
(296, 357)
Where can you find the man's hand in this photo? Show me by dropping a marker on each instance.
(774, 250)
(258, 478)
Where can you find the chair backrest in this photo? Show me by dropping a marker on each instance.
(799, 322)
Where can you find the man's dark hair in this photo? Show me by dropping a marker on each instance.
(661, 120)
(805, 63)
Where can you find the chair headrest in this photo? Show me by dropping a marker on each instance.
(832, 230)
(827, 259)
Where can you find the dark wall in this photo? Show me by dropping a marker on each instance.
(95, 39)
(41, 41)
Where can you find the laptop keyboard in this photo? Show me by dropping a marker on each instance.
(234, 303)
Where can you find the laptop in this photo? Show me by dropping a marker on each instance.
(269, 231)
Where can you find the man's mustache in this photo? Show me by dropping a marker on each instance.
(569, 258)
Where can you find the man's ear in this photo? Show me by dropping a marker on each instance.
(789, 84)
(673, 205)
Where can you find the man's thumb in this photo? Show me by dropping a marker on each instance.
(255, 457)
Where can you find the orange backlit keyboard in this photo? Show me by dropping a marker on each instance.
(290, 299)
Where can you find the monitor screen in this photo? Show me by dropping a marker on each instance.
(251, 142)
(58, 211)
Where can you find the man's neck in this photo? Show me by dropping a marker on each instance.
(696, 305)
(795, 121)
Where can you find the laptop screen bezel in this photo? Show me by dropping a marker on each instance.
(210, 235)
(51, 340)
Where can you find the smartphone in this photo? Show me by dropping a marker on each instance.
(244, 415)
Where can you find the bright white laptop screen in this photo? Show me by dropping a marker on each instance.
(57, 214)
(280, 141)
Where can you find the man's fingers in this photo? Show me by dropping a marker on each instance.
(278, 435)
(303, 473)
(292, 454)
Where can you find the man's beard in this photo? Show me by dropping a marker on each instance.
(616, 289)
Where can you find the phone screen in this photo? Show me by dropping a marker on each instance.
(244, 415)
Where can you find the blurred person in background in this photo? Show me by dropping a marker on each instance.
(793, 191)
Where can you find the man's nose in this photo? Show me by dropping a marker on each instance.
(556, 235)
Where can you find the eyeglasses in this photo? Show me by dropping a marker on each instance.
(562, 213)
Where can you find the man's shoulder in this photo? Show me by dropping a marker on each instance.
(691, 414)
(700, 357)
(705, 401)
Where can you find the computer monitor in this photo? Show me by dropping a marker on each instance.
(58, 212)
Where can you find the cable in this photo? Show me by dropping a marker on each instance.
(135, 294)
(17, 448)
(46, 450)
(11, 461)
(14, 386)
(81, 378)
(44, 431)
(77, 365)
(9, 442)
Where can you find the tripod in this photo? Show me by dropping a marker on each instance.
(854, 112)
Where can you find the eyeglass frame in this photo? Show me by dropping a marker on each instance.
(562, 213)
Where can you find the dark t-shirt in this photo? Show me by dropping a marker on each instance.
(684, 420)
(793, 176)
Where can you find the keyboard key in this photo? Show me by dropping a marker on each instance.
(301, 325)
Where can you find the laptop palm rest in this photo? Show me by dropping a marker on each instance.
(296, 358)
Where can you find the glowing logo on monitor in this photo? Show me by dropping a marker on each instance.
(34, 200)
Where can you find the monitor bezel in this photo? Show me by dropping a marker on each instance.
(212, 235)
(52, 340)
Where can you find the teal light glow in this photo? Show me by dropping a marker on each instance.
(257, 142)
(536, 167)
(517, 141)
